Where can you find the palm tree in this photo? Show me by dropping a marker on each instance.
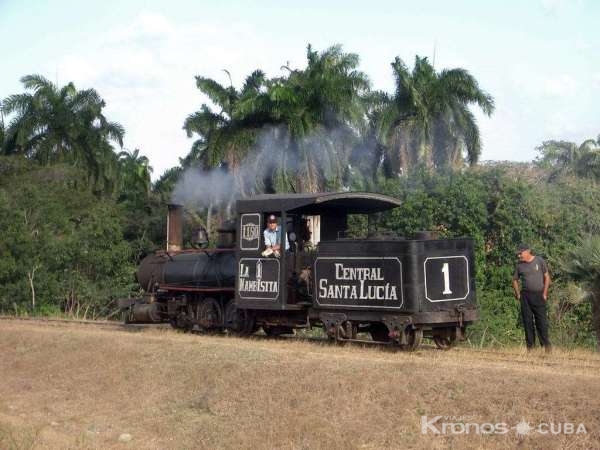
(307, 122)
(568, 158)
(589, 160)
(427, 120)
(371, 153)
(582, 264)
(322, 110)
(134, 175)
(560, 155)
(55, 124)
(225, 135)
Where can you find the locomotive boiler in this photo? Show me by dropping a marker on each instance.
(381, 288)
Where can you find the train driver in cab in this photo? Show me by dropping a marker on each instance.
(272, 236)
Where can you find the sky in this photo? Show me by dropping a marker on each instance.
(539, 59)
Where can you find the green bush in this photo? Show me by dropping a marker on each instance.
(63, 240)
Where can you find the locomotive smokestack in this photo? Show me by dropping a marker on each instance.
(175, 228)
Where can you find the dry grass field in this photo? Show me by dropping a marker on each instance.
(73, 386)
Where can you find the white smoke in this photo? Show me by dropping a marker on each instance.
(327, 151)
(199, 188)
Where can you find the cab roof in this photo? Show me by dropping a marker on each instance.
(346, 202)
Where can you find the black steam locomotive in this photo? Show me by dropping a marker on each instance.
(395, 289)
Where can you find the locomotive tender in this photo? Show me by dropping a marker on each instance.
(395, 289)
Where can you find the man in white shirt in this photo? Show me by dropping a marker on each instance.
(272, 236)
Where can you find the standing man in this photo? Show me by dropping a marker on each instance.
(532, 271)
(272, 235)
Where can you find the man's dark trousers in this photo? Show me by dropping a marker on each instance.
(533, 307)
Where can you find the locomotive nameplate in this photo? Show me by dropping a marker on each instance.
(258, 278)
(250, 231)
(359, 282)
(446, 278)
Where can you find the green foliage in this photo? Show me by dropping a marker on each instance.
(134, 177)
(571, 315)
(62, 240)
(582, 264)
(567, 158)
(500, 322)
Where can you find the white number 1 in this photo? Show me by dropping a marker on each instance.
(446, 272)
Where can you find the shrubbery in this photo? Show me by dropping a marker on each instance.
(62, 247)
(79, 250)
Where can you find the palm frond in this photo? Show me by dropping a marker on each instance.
(37, 82)
(115, 132)
(218, 94)
(17, 103)
(463, 86)
(582, 262)
(470, 134)
(88, 98)
(253, 82)
(203, 122)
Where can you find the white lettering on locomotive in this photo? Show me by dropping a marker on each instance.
(258, 278)
(357, 273)
(357, 292)
(258, 286)
(250, 231)
(360, 291)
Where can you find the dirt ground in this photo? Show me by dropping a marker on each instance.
(75, 386)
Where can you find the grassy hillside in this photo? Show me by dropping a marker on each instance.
(70, 386)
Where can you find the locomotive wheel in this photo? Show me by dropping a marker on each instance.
(414, 337)
(209, 314)
(234, 318)
(348, 330)
(239, 321)
(250, 326)
(379, 332)
(443, 343)
(182, 322)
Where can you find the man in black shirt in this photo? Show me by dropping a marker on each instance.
(532, 271)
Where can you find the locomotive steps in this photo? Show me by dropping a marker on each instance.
(80, 386)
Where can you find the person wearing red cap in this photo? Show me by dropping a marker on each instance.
(272, 235)
(532, 272)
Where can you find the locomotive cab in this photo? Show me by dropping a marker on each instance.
(305, 220)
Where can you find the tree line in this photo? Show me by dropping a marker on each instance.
(79, 212)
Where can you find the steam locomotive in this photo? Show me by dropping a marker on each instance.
(379, 288)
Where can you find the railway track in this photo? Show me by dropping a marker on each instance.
(105, 324)
(496, 356)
